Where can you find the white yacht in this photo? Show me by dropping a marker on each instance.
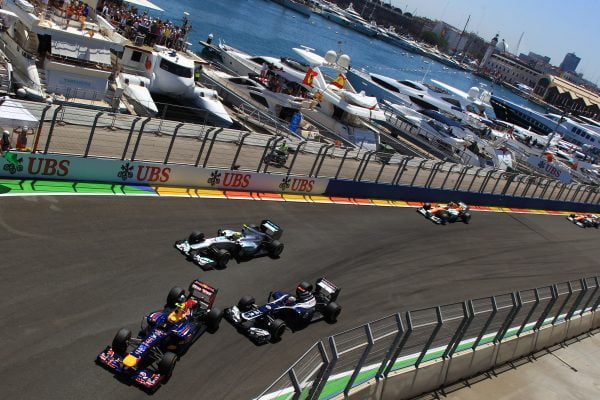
(54, 55)
(162, 71)
(342, 111)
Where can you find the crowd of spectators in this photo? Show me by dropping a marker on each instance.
(151, 30)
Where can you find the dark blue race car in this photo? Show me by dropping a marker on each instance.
(268, 322)
(149, 359)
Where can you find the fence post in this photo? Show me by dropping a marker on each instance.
(487, 323)
(139, 138)
(591, 298)
(545, 189)
(560, 192)
(556, 183)
(322, 160)
(578, 299)
(302, 143)
(533, 308)
(89, 143)
(239, 148)
(314, 165)
(474, 178)
(383, 164)
(204, 139)
(274, 145)
(398, 350)
(486, 179)
(395, 343)
(361, 361)
(448, 175)
(502, 175)
(460, 331)
(509, 180)
(342, 162)
(401, 169)
(52, 124)
(365, 155)
(433, 173)
(554, 297)
(412, 182)
(539, 183)
(314, 395)
(129, 136)
(315, 389)
(264, 154)
(518, 184)
(175, 131)
(210, 147)
(365, 166)
(461, 177)
(562, 306)
(516, 307)
(39, 129)
(438, 313)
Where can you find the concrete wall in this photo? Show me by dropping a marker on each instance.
(410, 382)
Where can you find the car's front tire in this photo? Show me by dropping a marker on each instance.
(331, 312)
(213, 319)
(275, 248)
(222, 258)
(166, 365)
(120, 341)
(276, 330)
(174, 296)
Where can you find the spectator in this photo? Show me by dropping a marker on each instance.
(5, 142)
(22, 138)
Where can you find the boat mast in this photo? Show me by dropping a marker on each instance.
(461, 36)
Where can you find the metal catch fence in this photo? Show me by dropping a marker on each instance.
(90, 133)
(344, 361)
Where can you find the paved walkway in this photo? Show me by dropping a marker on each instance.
(565, 372)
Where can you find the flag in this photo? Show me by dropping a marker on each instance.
(339, 82)
(308, 78)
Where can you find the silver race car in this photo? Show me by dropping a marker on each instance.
(251, 242)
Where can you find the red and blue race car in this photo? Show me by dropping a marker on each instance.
(149, 358)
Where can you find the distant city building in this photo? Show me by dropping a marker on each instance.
(570, 62)
(568, 96)
(537, 61)
(451, 35)
(500, 64)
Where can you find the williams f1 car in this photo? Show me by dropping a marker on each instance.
(165, 335)
(267, 322)
(585, 220)
(252, 241)
(443, 214)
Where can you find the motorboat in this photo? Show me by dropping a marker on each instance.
(299, 6)
(166, 72)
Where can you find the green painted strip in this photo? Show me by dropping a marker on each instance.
(24, 187)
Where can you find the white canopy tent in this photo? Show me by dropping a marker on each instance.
(145, 4)
(13, 115)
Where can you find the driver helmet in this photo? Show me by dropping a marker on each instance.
(177, 314)
(303, 289)
(291, 300)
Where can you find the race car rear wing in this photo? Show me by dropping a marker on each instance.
(204, 293)
(325, 286)
(271, 229)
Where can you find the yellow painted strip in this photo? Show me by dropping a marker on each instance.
(295, 197)
(320, 199)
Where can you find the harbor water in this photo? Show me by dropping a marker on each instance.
(262, 27)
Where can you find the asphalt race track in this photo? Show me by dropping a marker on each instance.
(76, 269)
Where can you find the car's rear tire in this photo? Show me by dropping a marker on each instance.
(166, 365)
(466, 218)
(427, 206)
(276, 330)
(222, 258)
(213, 319)
(120, 341)
(174, 296)
(195, 237)
(331, 312)
(275, 248)
(246, 303)
(444, 217)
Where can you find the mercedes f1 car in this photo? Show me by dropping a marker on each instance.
(251, 242)
(267, 322)
(585, 220)
(165, 335)
(443, 214)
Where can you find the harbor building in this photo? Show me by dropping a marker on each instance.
(568, 96)
(570, 62)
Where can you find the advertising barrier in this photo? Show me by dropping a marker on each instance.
(73, 168)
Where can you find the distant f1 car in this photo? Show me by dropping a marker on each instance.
(149, 358)
(443, 214)
(267, 322)
(585, 220)
(252, 241)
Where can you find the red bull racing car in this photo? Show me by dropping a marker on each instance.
(449, 213)
(149, 358)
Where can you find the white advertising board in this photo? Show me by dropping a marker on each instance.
(542, 165)
(73, 168)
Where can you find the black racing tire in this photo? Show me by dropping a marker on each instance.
(166, 365)
(174, 295)
(331, 312)
(275, 248)
(246, 303)
(195, 237)
(466, 218)
(276, 329)
(120, 341)
(444, 217)
(222, 258)
(213, 319)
